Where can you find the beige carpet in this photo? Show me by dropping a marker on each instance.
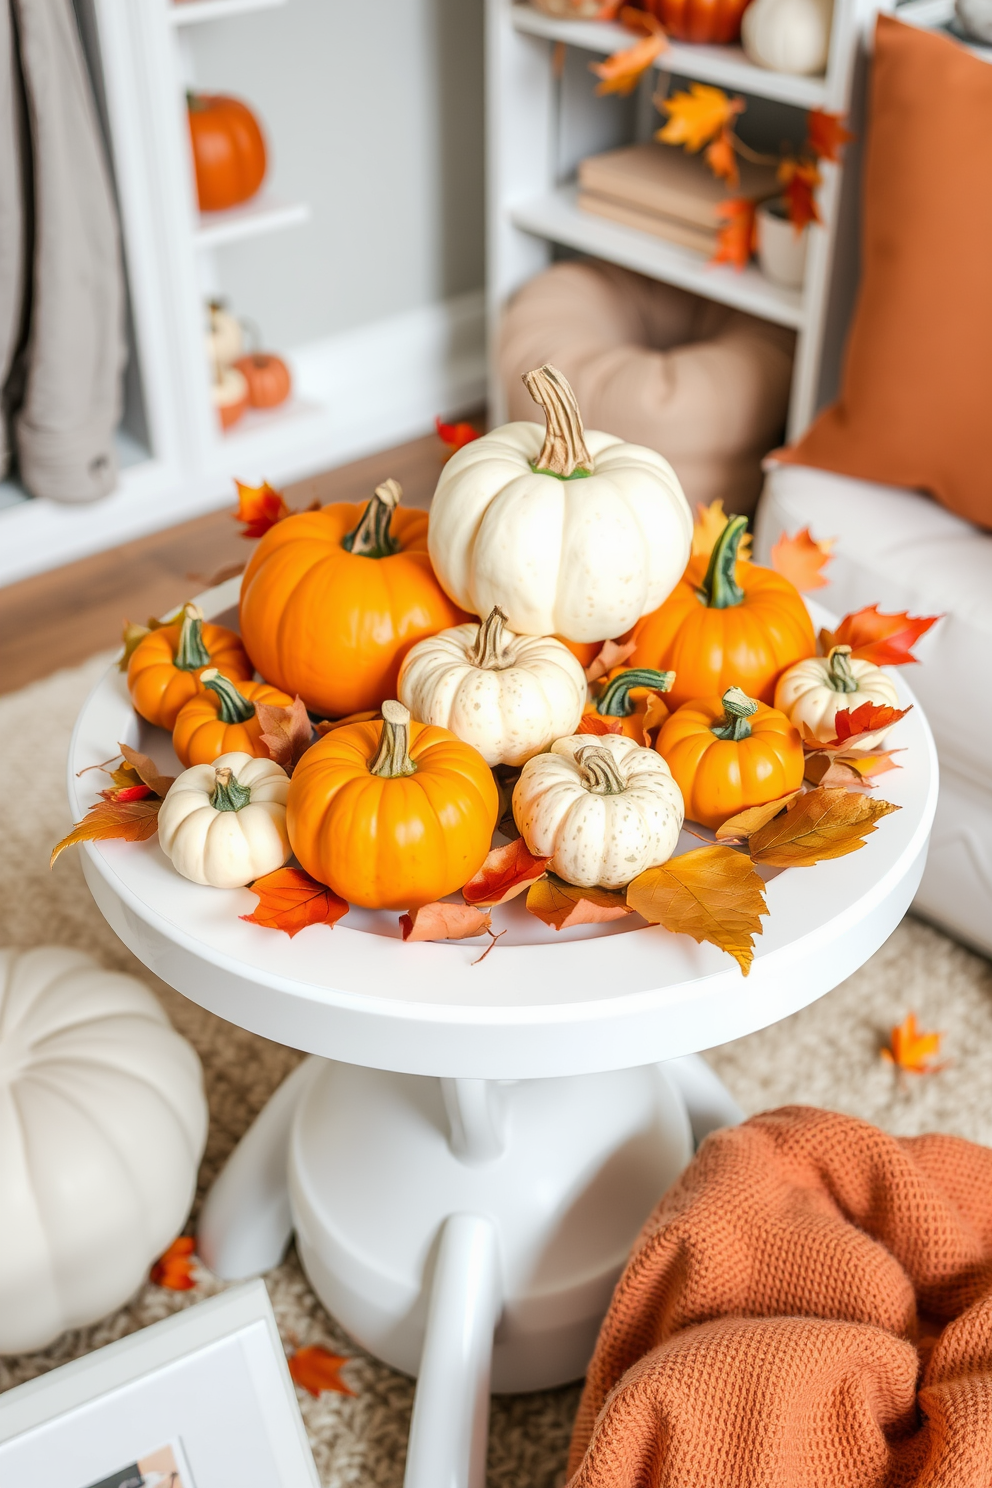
(827, 1055)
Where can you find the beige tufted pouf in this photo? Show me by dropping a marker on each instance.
(706, 386)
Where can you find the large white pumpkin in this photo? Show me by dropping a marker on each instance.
(788, 35)
(569, 532)
(103, 1121)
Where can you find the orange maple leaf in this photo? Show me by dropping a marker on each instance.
(562, 905)
(696, 117)
(506, 872)
(315, 1370)
(442, 921)
(455, 436)
(174, 1268)
(800, 179)
(867, 719)
(801, 560)
(735, 240)
(721, 157)
(886, 640)
(622, 72)
(290, 900)
(910, 1050)
(259, 508)
(825, 134)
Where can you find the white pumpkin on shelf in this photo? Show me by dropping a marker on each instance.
(507, 695)
(103, 1121)
(570, 533)
(788, 35)
(602, 809)
(814, 691)
(224, 824)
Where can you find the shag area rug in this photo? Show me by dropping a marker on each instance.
(827, 1055)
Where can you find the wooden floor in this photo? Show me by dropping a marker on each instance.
(59, 618)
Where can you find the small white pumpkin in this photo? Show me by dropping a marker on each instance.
(225, 824)
(569, 533)
(103, 1122)
(815, 690)
(507, 695)
(788, 35)
(601, 809)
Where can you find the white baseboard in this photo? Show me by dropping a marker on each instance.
(355, 393)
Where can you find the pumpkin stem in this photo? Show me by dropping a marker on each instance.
(564, 451)
(615, 700)
(720, 590)
(488, 651)
(372, 537)
(392, 758)
(737, 709)
(228, 793)
(600, 770)
(839, 674)
(234, 707)
(191, 653)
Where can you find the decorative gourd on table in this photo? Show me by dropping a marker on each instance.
(164, 669)
(228, 150)
(601, 810)
(729, 753)
(392, 814)
(332, 600)
(102, 1126)
(224, 824)
(623, 698)
(727, 623)
(507, 695)
(699, 20)
(814, 691)
(267, 378)
(570, 532)
(221, 719)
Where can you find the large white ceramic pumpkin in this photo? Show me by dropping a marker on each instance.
(569, 532)
(102, 1125)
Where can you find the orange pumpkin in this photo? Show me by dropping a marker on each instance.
(699, 20)
(228, 150)
(222, 718)
(332, 600)
(164, 670)
(734, 624)
(268, 378)
(623, 698)
(729, 753)
(392, 814)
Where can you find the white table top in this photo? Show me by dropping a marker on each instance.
(543, 1003)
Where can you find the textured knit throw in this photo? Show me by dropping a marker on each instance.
(810, 1306)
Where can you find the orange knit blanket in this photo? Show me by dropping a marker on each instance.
(810, 1306)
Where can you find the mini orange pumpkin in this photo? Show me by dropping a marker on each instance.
(623, 698)
(734, 624)
(165, 666)
(699, 20)
(228, 150)
(332, 600)
(268, 378)
(392, 815)
(729, 753)
(221, 719)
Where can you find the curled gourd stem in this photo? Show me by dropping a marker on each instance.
(720, 589)
(839, 674)
(564, 451)
(599, 769)
(191, 653)
(234, 708)
(488, 651)
(392, 758)
(738, 708)
(615, 700)
(228, 793)
(372, 537)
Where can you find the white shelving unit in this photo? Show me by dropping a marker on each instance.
(540, 125)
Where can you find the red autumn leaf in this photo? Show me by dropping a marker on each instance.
(911, 1050)
(801, 560)
(315, 1370)
(825, 134)
(799, 179)
(127, 792)
(721, 157)
(591, 723)
(506, 872)
(290, 900)
(131, 821)
(444, 922)
(867, 719)
(561, 905)
(259, 508)
(455, 436)
(174, 1268)
(735, 239)
(286, 732)
(885, 640)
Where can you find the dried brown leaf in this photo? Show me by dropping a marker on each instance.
(713, 894)
(286, 732)
(612, 654)
(738, 828)
(561, 905)
(442, 921)
(146, 770)
(824, 823)
(132, 821)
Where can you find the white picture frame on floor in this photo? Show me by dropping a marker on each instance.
(210, 1382)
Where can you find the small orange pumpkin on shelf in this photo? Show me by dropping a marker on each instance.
(392, 814)
(269, 380)
(730, 624)
(332, 600)
(699, 20)
(221, 719)
(623, 698)
(728, 753)
(228, 150)
(164, 670)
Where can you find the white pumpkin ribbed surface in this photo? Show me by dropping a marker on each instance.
(103, 1121)
(804, 695)
(226, 849)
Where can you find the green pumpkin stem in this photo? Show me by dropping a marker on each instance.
(228, 793)
(488, 651)
(600, 770)
(234, 708)
(720, 590)
(738, 708)
(615, 700)
(392, 758)
(191, 653)
(839, 674)
(564, 451)
(372, 537)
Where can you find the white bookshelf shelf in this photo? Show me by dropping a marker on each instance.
(193, 12)
(263, 214)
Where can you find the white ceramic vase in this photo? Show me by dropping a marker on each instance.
(781, 250)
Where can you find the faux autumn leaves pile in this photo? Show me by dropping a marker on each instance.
(434, 727)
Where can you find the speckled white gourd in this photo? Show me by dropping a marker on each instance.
(226, 849)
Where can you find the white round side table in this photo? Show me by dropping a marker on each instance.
(472, 1147)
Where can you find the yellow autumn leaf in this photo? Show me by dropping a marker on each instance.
(696, 117)
(708, 524)
(828, 822)
(713, 894)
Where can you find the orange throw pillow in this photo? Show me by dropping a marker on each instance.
(915, 407)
